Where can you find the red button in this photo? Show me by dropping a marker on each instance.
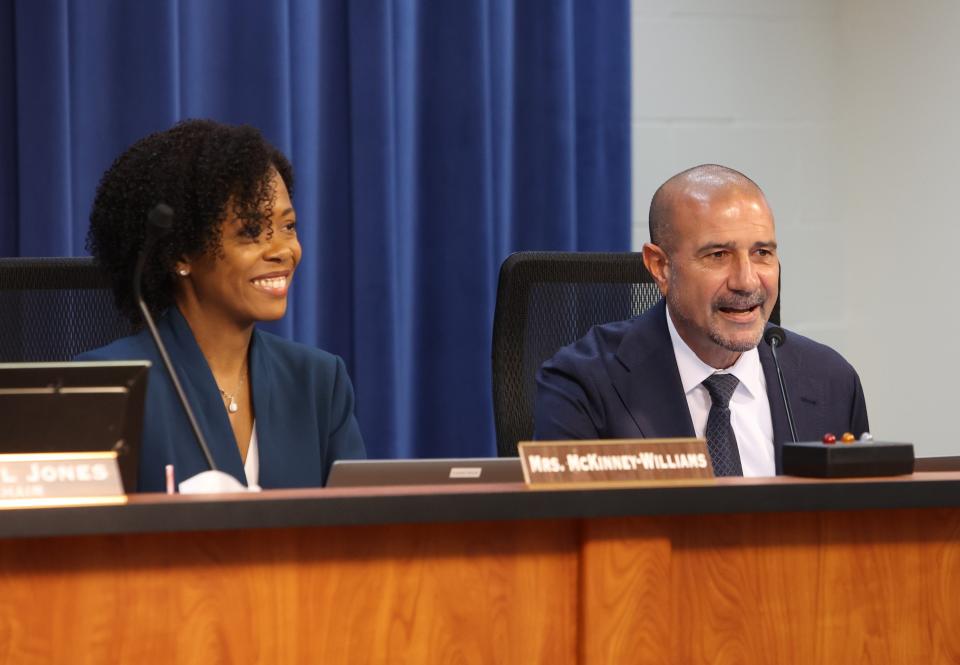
(829, 438)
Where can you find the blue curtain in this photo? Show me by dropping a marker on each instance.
(430, 139)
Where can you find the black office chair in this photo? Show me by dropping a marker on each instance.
(546, 300)
(51, 309)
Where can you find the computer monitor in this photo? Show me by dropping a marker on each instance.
(75, 407)
(457, 471)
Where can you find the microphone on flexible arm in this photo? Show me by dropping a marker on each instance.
(826, 459)
(159, 222)
(776, 336)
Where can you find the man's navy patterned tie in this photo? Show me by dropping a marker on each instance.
(721, 440)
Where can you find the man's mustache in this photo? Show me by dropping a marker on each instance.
(747, 301)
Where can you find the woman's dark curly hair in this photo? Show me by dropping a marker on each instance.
(197, 167)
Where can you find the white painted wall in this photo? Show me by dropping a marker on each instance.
(847, 113)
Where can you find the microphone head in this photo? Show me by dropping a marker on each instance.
(159, 220)
(775, 334)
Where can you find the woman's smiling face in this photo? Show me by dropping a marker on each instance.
(248, 277)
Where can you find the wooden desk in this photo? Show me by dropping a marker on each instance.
(737, 571)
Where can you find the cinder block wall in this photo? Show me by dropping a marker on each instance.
(846, 114)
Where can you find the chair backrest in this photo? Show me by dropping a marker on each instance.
(546, 300)
(51, 309)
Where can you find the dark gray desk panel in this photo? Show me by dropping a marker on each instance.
(447, 503)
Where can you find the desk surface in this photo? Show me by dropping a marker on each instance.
(148, 513)
(784, 570)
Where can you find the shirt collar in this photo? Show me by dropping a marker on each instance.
(693, 370)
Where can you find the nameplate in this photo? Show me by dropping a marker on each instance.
(613, 462)
(59, 479)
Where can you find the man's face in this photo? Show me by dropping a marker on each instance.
(721, 273)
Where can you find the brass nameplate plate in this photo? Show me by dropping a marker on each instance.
(59, 479)
(613, 462)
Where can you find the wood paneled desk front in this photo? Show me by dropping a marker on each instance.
(736, 571)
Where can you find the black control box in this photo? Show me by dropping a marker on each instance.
(847, 460)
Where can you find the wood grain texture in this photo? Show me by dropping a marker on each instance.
(843, 587)
(464, 593)
(804, 588)
(626, 604)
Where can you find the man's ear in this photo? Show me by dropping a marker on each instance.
(658, 265)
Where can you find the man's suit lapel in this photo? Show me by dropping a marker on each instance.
(805, 398)
(778, 413)
(656, 407)
(645, 375)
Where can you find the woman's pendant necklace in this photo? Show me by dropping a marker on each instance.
(232, 405)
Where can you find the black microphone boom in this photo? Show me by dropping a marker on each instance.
(776, 336)
(826, 460)
(158, 223)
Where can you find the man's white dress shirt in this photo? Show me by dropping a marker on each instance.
(749, 406)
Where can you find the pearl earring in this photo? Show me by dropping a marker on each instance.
(183, 272)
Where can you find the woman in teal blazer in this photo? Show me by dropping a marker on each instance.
(275, 413)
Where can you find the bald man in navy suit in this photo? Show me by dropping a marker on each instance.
(713, 254)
